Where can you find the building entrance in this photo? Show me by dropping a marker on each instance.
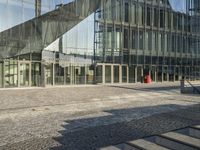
(116, 74)
(165, 73)
(24, 74)
(35, 73)
(140, 77)
(153, 73)
(49, 74)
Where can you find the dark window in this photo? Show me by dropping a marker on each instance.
(156, 41)
(185, 23)
(141, 39)
(162, 42)
(180, 22)
(126, 38)
(140, 15)
(148, 16)
(169, 20)
(169, 42)
(175, 21)
(184, 44)
(162, 19)
(126, 17)
(173, 43)
(149, 40)
(133, 14)
(125, 58)
(109, 37)
(179, 44)
(134, 39)
(156, 17)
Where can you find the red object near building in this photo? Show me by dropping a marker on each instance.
(147, 79)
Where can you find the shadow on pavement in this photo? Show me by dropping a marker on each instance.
(150, 89)
(122, 125)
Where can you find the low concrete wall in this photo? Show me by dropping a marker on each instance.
(193, 87)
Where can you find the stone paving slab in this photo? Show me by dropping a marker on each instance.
(59, 117)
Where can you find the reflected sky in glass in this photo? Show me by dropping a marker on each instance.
(178, 5)
(14, 12)
(78, 40)
(80, 37)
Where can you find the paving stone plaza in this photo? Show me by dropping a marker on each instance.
(90, 117)
(73, 73)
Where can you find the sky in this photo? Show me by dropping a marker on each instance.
(178, 5)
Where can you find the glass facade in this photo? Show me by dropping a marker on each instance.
(157, 37)
(66, 42)
(46, 42)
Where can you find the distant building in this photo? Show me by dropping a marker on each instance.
(66, 42)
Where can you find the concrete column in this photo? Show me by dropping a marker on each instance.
(53, 74)
(43, 76)
(103, 74)
(127, 74)
(142, 74)
(85, 75)
(136, 74)
(120, 73)
(30, 66)
(142, 71)
(64, 75)
(18, 74)
(74, 73)
(3, 74)
(112, 74)
(71, 74)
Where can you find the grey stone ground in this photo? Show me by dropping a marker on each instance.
(89, 117)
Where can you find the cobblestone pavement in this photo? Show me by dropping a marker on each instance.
(88, 117)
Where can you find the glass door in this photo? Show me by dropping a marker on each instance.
(132, 74)
(35, 73)
(165, 73)
(140, 77)
(124, 74)
(49, 74)
(10, 73)
(153, 73)
(24, 74)
(108, 74)
(99, 70)
(80, 74)
(67, 76)
(116, 74)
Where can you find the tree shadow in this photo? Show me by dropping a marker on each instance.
(121, 125)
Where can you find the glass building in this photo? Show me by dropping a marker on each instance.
(67, 42)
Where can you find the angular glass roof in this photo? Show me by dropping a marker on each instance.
(36, 34)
